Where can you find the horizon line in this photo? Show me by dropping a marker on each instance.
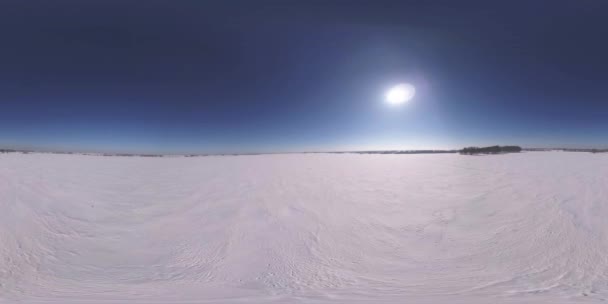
(375, 151)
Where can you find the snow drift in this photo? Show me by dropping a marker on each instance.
(305, 228)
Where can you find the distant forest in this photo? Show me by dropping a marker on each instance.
(490, 150)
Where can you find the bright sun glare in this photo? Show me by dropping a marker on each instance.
(400, 93)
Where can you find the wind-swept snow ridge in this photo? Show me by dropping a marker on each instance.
(309, 228)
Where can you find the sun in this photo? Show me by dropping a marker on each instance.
(400, 93)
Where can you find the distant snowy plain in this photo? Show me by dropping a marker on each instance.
(304, 228)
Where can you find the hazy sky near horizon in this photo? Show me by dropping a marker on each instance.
(264, 76)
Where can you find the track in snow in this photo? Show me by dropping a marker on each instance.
(305, 228)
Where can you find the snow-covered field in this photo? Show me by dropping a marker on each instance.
(305, 228)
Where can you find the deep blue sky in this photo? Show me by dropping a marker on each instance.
(266, 76)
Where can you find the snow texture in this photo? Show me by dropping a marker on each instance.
(304, 228)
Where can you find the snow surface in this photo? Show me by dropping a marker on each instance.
(304, 228)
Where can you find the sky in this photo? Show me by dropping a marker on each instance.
(287, 76)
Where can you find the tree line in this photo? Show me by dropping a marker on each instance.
(490, 150)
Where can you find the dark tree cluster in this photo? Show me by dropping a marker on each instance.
(490, 150)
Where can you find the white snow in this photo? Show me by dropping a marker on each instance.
(304, 228)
